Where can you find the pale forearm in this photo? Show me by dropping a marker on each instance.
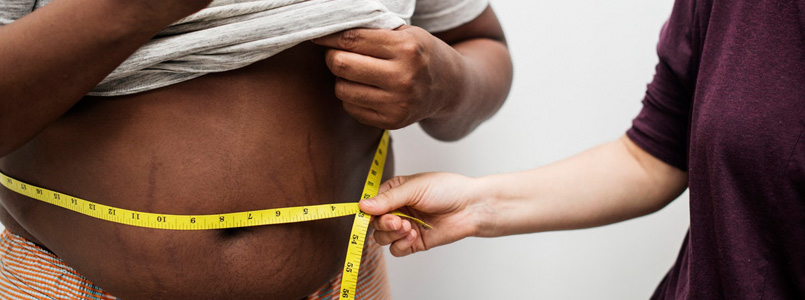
(609, 183)
(55, 55)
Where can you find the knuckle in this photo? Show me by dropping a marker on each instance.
(341, 90)
(381, 239)
(396, 181)
(339, 63)
(349, 39)
(406, 82)
(404, 108)
(397, 251)
(411, 49)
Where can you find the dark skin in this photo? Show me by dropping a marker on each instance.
(273, 134)
(392, 79)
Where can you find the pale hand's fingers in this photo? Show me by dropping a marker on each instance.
(361, 68)
(388, 237)
(373, 42)
(387, 222)
(404, 246)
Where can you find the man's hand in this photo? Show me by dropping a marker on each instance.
(448, 202)
(394, 78)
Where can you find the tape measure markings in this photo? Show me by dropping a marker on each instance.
(273, 216)
(182, 222)
(349, 277)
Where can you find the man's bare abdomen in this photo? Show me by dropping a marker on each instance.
(269, 135)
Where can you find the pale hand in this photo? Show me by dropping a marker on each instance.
(448, 202)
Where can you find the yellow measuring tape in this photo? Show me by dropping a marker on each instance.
(349, 279)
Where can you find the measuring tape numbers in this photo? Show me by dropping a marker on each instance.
(360, 227)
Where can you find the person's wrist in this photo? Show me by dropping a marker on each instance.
(456, 90)
(447, 121)
(484, 209)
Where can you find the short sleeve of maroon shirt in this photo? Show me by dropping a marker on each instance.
(727, 104)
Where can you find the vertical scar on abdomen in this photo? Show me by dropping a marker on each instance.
(152, 182)
(310, 158)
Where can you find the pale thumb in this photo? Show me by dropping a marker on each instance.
(393, 195)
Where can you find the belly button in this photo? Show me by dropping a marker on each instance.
(231, 233)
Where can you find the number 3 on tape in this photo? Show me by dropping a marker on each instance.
(234, 220)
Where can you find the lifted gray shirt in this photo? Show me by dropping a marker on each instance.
(231, 34)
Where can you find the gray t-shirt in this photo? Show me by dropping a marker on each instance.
(231, 34)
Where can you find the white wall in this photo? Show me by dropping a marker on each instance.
(581, 71)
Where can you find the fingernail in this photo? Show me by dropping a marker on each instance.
(405, 222)
(391, 224)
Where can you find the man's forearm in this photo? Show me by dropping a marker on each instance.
(610, 183)
(487, 80)
(54, 56)
(486, 70)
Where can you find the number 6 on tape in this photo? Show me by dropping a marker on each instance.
(238, 219)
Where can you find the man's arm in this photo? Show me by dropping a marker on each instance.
(488, 77)
(450, 82)
(52, 57)
(613, 182)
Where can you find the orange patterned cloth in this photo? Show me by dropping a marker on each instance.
(29, 272)
(372, 280)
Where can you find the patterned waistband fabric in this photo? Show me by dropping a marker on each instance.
(372, 280)
(29, 272)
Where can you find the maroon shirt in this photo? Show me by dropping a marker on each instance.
(727, 104)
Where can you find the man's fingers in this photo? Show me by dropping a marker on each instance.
(373, 42)
(395, 195)
(364, 115)
(360, 94)
(361, 68)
